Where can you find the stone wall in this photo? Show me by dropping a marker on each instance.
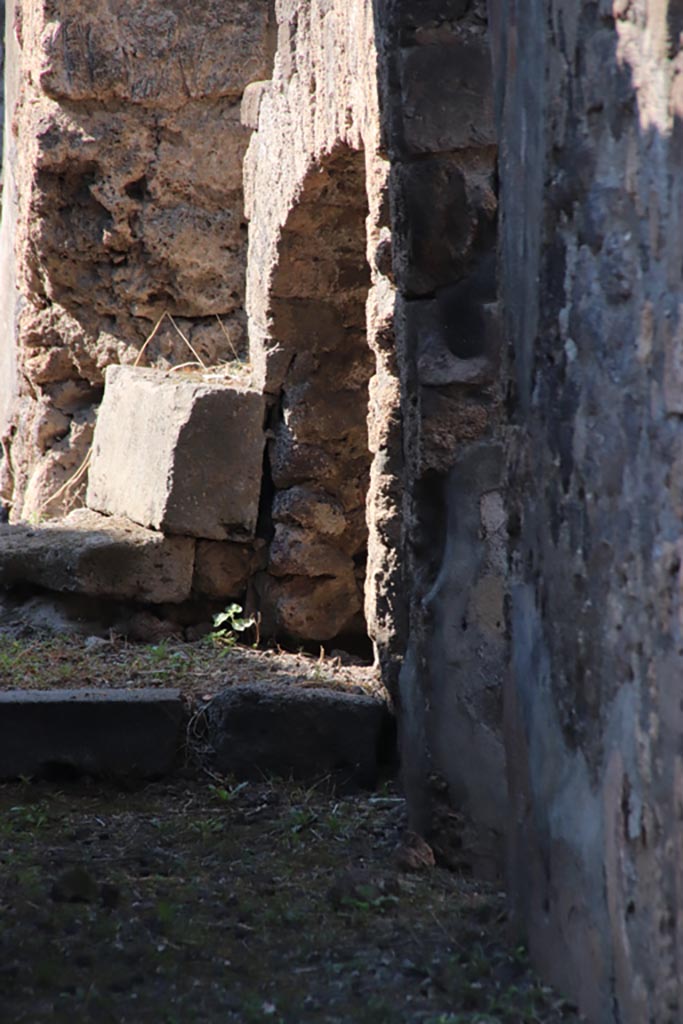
(320, 309)
(8, 374)
(124, 204)
(422, 483)
(438, 105)
(383, 113)
(590, 107)
(369, 185)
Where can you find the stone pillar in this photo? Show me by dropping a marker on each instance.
(409, 86)
(438, 114)
(320, 310)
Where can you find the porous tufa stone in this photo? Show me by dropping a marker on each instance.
(101, 556)
(180, 456)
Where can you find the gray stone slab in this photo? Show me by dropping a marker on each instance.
(257, 730)
(107, 556)
(180, 456)
(107, 733)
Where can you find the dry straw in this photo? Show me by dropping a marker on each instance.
(75, 479)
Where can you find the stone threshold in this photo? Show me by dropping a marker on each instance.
(100, 732)
(249, 731)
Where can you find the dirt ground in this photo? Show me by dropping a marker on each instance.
(214, 901)
(200, 669)
(208, 900)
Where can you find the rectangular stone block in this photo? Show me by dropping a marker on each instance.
(182, 456)
(261, 730)
(108, 733)
(174, 50)
(447, 96)
(102, 556)
(446, 209)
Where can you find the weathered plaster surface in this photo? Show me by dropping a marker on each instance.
(590, 105)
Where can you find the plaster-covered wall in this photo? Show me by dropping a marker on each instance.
(590, 103)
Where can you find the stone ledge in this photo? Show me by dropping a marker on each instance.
(101, 556)
(110, 733)
(302, 733)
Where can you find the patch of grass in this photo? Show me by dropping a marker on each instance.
(200, 669)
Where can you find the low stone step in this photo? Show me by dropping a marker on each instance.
(250, 731)
(106, 733)
(257, 730)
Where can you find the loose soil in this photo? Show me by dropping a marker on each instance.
(222, 902)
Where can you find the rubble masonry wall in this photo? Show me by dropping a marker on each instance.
(406, 86)
(124, 203)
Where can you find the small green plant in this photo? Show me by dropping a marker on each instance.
(165, 912)
(207, 828)
(28, 818)
(228, 623)
(158, 652)
(366, 900)
(227, 794)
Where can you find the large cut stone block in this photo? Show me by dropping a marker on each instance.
(173, 52)
(102, 556)
(302, 608)
(97, 732)
(447, 95)
(181, 456)
(446, 215)
(303, 733)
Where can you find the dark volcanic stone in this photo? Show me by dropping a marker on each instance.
(110, 733)
(257, 730)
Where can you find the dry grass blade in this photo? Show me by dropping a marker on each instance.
(72, 481)
(226, 332)
(150, 338)
(166, 315)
